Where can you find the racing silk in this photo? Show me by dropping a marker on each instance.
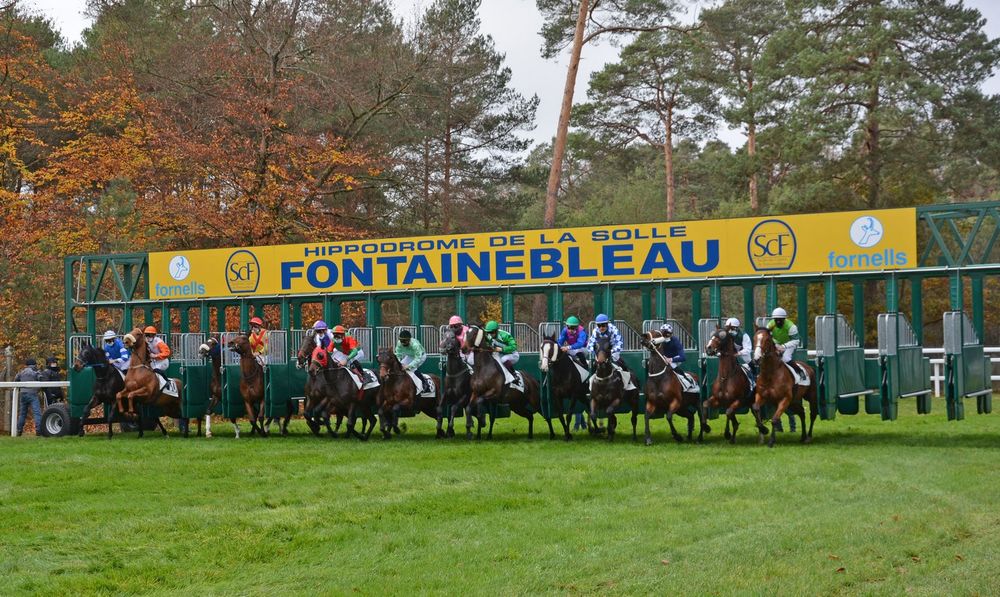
(324, 340)
(672, 349)
(744, 347)
(575, 338)
(348, 346)
(411, 356)
(118, 355)
(460, 336)
(786, 335)
(505, 341)
(616, 339)
(158, 349)
(259, 342)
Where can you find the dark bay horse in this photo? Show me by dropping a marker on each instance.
(564, 383)
(731, 388)
(211, 350)
(251, 386)
(316, 407)
(664, 394)
(398, 394)
(608, 390)
(107, 382)
(337, 384)
(142, 384)
(776, 387)
(488, 385)
(457, 388)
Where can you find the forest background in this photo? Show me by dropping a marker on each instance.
(178, 124)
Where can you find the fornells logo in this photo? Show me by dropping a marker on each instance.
(242, 272)
(771, 246)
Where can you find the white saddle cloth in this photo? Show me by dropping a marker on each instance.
(420, 385)
(800, 379)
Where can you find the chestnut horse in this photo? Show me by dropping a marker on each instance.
(664, 394)
(337, 384)
(107, 382)
(776, 387)
(731, 388)
(565, 386)
(398, 394)
(608, 390)
(142, 384)
(457, 387)
(488, 383)
(251, 386)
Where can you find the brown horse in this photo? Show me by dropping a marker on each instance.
(399, 394)
(212, 351)
(107, 382)
(337, 384)
(142, 384)
(251, 386)
(315, 409)
(608, 390)
(731, 388)
(488, 384)
(457, 387)
(564, 384)
(664, 394)
(776, 387)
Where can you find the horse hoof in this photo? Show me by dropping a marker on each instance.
(569, 437)
(649, 441)
(807, 440)
(708, 429)
(679, 439)
(451, 432)
(729, 435)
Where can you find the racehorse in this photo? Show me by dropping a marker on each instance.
(664, 394)
(143, 384)
(608, 390)
(399, 394)
(488, 383)
(212, 350)
(107, 382)
(315, 408)
(563, 379)
(731, 388)
(457, 387)
(336, 383)
(251, 386)
(776, 387)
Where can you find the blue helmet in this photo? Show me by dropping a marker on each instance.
(602, 318)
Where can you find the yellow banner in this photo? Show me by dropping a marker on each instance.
(812, 243)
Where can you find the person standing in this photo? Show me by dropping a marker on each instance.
(52, 373)
(28, 397)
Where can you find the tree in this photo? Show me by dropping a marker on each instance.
(581, 22)
(649, 95)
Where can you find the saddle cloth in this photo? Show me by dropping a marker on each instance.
(583, 371)
(370, 381)
(168, 386)
(688, 384)
(514, 380)
(627, 378)
(426, 390)
(800, 379)
(749, 374)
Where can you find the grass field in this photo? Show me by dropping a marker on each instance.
(870, 507)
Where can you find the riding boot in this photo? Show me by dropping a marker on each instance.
(510, 366)
(582, 359)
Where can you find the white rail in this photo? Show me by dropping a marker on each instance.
(17, 386)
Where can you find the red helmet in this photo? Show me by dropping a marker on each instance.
(339, 330)
(257, 321)
(149, 330)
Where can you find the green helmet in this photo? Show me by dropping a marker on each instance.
(572, 320)
(491, 326)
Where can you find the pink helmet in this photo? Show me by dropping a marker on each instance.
(455, 320)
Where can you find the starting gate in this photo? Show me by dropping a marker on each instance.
(277, 378)
(906, 372)
(709, 365)
(232, 400)
(841, 369)
(195, 373)
(967, 369)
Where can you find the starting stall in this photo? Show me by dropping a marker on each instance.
(905, 371)
(967, 368)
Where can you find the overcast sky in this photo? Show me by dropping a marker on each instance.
(515, 26)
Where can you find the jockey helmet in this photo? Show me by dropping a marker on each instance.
(405, 334)
(602, 318)
(572, 321)
(340, 330)
(491, 326)
(319, 325)
(257, 321)
(732, 322)
(110, 335)
(455, 320)
(779, 313)
(667, 328)
(149, 330)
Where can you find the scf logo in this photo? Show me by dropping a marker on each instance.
(771, 246)
(242, 272)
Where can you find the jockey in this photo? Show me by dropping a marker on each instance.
(411, 355)
(670, 347)
(503, 343)
(115, 351)
(458, 327)
(323, 335)
(785, 335)
(258, 340)
(607, 330)
(573, 339)
(744, 348)
(159, 352)
(346, 350)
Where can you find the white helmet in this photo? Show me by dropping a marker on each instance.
(110, 335)
(779, 313)
(733, 322)
(667, 328)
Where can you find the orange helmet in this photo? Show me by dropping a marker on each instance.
(340, 330)
(257, 321)
(149, 330)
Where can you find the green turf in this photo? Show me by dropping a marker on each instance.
(869, 507)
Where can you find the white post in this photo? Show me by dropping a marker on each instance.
(13, 411)
(937, 380)
(208, 425)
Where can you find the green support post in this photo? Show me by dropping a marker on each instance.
(830, 295)
(373, 311)
(802, 311)
(185, 320)
(416, 310)
(92, 322)
(714, 300)
(555, 303)
(244, 314)
(147, 313)
(749, 321)
(917, 306)
(978, 315)
(296, 314)
(203, 318)
(696, 297)
(771, 295)
(608, 298)
(955, 289)
(220, 317)
(661, 301)
(647, 302)
(286, 319)
(507, 305)
(328, 310)
(462, 305)
(892, 294)
(859, 311)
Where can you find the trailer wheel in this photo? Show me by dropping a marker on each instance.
(55, 421)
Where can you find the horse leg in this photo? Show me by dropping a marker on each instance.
(493, 420)
(731, 419)
(163, 429)
(284, 423)
(649, 437)
(109, 417)
(690, 427)
(236, 426)
(612, 424)
(336, 429)
(440, 420)
(531, 425)
(635, 418)
(761, 430)
(593, 415)
(799, 410)
(778, 413)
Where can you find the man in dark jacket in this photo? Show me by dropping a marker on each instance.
(52, 373)
(28, 397)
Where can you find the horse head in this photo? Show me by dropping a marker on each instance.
(721, 344)
(603, 357)
(388, 363)
(549, 353)
(763, 344)
(210, 348)
(649, 337)
(475, 338)
(307, 348)
(89, 356)
(241, 346)
(449, 343)
(319, 360)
